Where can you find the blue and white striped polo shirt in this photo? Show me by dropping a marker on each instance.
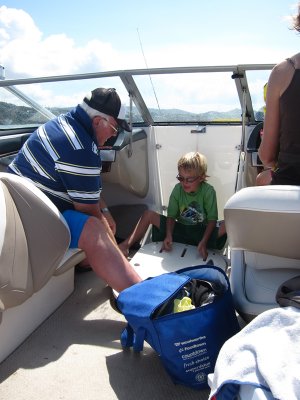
(62, 158)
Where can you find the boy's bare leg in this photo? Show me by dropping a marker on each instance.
(222, 229)
(105, 257)
(148, 218)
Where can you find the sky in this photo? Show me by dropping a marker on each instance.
(64, 37)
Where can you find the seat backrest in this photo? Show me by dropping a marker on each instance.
(263, 228)
(266, 220)
(33, 239)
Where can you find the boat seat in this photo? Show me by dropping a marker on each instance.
(33, 239)
(71, 258)
(36, 266)
(263, 228)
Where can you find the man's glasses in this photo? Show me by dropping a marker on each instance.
(187, 180)
(112, 127)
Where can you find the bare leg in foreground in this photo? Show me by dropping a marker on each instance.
(105, 257)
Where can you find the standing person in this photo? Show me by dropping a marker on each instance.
(192, 212)
(62, 158)
(280, 147)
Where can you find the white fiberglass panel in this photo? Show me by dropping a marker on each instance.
(220, 145)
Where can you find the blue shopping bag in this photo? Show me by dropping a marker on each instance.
(188, 342)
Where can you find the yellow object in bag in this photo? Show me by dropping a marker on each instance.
(183, 304)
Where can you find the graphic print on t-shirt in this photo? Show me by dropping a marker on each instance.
(192, 215)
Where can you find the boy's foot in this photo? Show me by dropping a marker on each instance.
(80, 269)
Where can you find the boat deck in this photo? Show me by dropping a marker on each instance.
(76, 354)
(151, 261)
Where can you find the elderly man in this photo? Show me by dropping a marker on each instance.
(62, 158)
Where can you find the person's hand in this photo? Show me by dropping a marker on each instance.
(202, 250)
(167, 244)
(111, 222)
(264, 178)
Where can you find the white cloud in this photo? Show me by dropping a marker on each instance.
(17, 25)
(26, 52)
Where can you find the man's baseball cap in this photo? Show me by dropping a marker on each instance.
(107, 101)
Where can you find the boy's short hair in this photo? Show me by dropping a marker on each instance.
(194, 160)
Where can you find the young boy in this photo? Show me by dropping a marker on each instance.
(192, 212)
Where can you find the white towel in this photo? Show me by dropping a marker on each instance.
(266, 353)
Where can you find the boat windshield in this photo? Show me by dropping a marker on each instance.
(159, 96)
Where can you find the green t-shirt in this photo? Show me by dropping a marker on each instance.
(193, 208)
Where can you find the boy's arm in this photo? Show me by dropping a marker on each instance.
(202, 246)
(167, 243)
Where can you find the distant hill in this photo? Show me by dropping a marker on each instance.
(180, 115)
(10, 114)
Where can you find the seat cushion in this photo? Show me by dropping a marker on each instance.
(265, 219)
(16, 283)
(33, 237)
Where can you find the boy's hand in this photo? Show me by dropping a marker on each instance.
(167, 244)
(202, 250)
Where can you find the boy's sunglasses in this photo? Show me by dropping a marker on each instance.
(187, 180)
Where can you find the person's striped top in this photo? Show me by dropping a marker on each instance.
(62, 158)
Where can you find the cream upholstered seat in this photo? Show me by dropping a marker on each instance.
(36, 272)
(33, 236)
(263, 227)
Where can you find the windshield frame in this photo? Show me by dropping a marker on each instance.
(129, 79)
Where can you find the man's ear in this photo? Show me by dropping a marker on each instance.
(96, 121)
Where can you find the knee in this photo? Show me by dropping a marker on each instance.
(92, 223)
(149, 216)
(90, 232)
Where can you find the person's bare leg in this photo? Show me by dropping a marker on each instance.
(148, 218)
(104, 256)
(222, 229)
(85, 263)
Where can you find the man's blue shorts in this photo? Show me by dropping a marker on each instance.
(75, 221)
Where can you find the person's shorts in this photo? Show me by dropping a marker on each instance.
(76, 221)
(188, 234)
(287, 175)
